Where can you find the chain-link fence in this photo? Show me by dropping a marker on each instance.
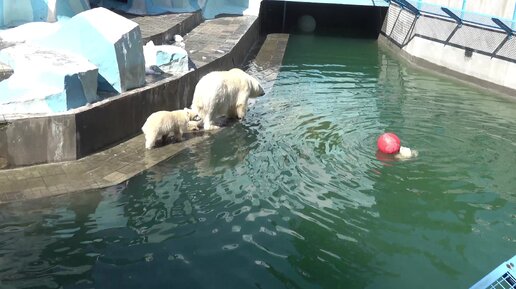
(473, 32)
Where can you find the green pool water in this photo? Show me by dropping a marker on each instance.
(296, 195)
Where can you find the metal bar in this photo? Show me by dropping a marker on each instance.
(452, 33)
(395, 22)
(501, 45)
(502, 25)
(406, 5)
(452, 15)
(284, 15)
(411, 29)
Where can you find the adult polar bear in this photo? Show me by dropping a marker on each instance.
(224, 93)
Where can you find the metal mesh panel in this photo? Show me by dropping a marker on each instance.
(391, 18)
(508, 50)
(477, 38)
(403, 26)
(467, 16)
(476, 18)
(480, 36)
(435, 28)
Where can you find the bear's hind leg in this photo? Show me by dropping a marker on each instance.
(178, 134)
(164, 139)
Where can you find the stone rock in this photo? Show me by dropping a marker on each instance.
(151, 7)
(64, 9)
(212, 8)
(168, 58)
(14, 13)
(29, 32)
(45, 81)
(108, 40)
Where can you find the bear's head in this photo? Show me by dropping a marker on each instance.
(191, 114)
(256, 88)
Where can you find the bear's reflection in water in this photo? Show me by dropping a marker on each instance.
(211, 154)
(223, 149)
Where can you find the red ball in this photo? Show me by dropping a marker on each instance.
(388, 143)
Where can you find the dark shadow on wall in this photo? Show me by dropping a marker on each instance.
(330, 19)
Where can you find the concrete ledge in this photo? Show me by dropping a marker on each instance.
(161, 28)
(117, 164)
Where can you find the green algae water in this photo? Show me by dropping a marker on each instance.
(296, 195)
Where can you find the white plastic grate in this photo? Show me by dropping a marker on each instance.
(500, 278)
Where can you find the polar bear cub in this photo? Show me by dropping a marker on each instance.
(224, 93)
(161, 123)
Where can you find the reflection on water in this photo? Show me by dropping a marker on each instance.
(295, 196)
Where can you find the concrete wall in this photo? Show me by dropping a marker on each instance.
(38, 140)
(481, 56)
(479, 66)
(338, 20)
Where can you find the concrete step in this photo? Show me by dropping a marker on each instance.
(162, 28)
(215, 38)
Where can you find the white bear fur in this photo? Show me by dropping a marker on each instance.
(406, 153)
(224, 93)
(161, 123)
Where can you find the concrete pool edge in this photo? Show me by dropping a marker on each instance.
(119, 163)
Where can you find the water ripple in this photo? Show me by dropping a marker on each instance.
(297, 189)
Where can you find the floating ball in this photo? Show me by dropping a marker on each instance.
(388, 143)
(306, 23)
